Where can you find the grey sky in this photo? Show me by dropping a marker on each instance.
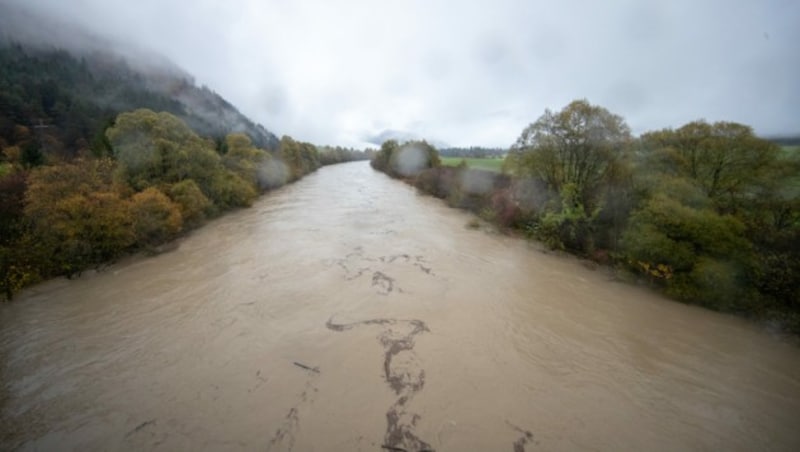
(471, 72)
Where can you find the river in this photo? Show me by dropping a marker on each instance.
(346, 312)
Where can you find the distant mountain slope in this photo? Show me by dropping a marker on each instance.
(64, 87)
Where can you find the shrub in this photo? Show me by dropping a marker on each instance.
(156, 219)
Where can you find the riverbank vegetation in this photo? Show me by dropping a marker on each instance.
(158, 180)
(708, 213)
(90, 171)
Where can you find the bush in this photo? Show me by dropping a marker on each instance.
(193, 204)
(156, 219)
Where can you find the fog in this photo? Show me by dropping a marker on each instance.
(469, 73)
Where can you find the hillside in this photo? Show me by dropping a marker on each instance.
(57, 96)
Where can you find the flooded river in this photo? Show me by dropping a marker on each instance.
(346, 312)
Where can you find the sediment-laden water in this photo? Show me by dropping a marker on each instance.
(346, 312)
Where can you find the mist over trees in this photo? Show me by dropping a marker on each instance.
(57, 103)
(708, 212)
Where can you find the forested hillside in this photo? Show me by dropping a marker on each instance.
(55, 103)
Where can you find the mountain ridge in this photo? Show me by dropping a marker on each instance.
(69, 90)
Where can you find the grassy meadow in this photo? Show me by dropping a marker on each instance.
(491, 164)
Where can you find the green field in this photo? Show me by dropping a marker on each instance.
(788, 151)
(490, 164)
(792, 153)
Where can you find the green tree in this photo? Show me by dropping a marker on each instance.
(412, 157)
(726, 159)
(582, 145)
(678, 240)
(380, 161)
(406, 160)
(243, 158)
(300, 158)
(158, 148)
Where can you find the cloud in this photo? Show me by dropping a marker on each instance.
(470, 72)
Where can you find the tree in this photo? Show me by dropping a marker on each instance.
(678, 240)
(193, 204)
(156, 219)
(582, 145)
(380, 160)
(406, 160)
(243, 158)
(412, 157)
(77, 216)
(725, 158)
(158, 148)
(300, 158)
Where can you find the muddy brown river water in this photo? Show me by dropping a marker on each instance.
(347, 313)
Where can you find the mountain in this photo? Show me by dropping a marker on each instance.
(63, 86)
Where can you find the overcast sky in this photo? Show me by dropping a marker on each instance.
(471, 72)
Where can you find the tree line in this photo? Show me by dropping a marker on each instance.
(709, 213)
(159, 180)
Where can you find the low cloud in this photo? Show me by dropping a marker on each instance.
(328, 72)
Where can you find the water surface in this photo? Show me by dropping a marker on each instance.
(346, 312)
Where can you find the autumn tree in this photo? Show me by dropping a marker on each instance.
(159, 150)
(156, 218)
(194, 206)
(78, 215)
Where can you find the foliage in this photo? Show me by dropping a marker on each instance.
(566, 228)
(77, 215)
(158, 148)
(581, 145)
(406, 160)
(193, 204)
(156, 218)
(244, 159)
(380, 161)
(697, 254)
(329, 155)
(725, 159)
(300, 158)
(161, 178)
(709, 213)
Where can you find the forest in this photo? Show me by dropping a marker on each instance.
(708, 213)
